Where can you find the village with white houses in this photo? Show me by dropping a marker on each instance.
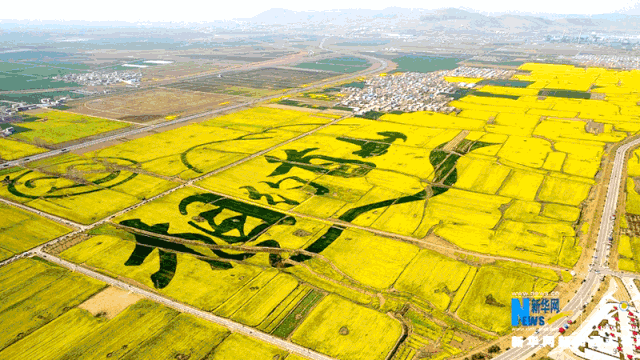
(610, 332)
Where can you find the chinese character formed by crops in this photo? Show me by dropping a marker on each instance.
(232, 232)
(334, 166)
(446, 175)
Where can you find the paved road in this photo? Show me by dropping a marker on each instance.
(60, 220)
(590, 286)
(147, 128)
(234, 326)
(36, 91)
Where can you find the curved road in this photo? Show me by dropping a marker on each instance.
(590, 286)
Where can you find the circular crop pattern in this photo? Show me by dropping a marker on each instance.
(78, 178)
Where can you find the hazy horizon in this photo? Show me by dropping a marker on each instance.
(193, 11)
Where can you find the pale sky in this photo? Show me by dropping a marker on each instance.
(209, 10)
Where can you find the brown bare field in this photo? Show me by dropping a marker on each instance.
(155, 104)
(109, 302)
(176, 70)
(287, 107)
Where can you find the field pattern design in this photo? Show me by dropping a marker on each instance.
(408, 219)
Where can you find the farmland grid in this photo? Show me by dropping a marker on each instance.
(614, 183)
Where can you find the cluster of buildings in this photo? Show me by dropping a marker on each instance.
(6, 132)
(489, 58)
(413, 91)
(93, 92)
(611, 331)
(7, 112)
(99, 78)
(614, 61)
(480, 72)
(409, 91)
(613, 334)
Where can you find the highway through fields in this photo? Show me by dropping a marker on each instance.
(599, 268)
(36, 91)
(383, 64)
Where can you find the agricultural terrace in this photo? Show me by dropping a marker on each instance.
(342, 64)
(254, 83)
(415, 180)
(51, 127)
(265, 279)
(34, 293)
(50, 313)
(88, 188)
(250, 292)
(155, 105)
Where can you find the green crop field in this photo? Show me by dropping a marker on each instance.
(295, 317)
(256, 83)
(343, 64)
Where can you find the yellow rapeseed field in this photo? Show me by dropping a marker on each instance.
(343, 330)
(372, 260)
(462, 79)
(11, 150)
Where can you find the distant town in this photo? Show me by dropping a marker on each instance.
(415, 91)
(101, 78)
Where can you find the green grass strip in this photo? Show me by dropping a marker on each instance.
(292, 320)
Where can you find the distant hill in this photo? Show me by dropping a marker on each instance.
(453, 19)
(403, 19)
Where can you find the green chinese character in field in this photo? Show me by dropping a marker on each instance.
(230, 230)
